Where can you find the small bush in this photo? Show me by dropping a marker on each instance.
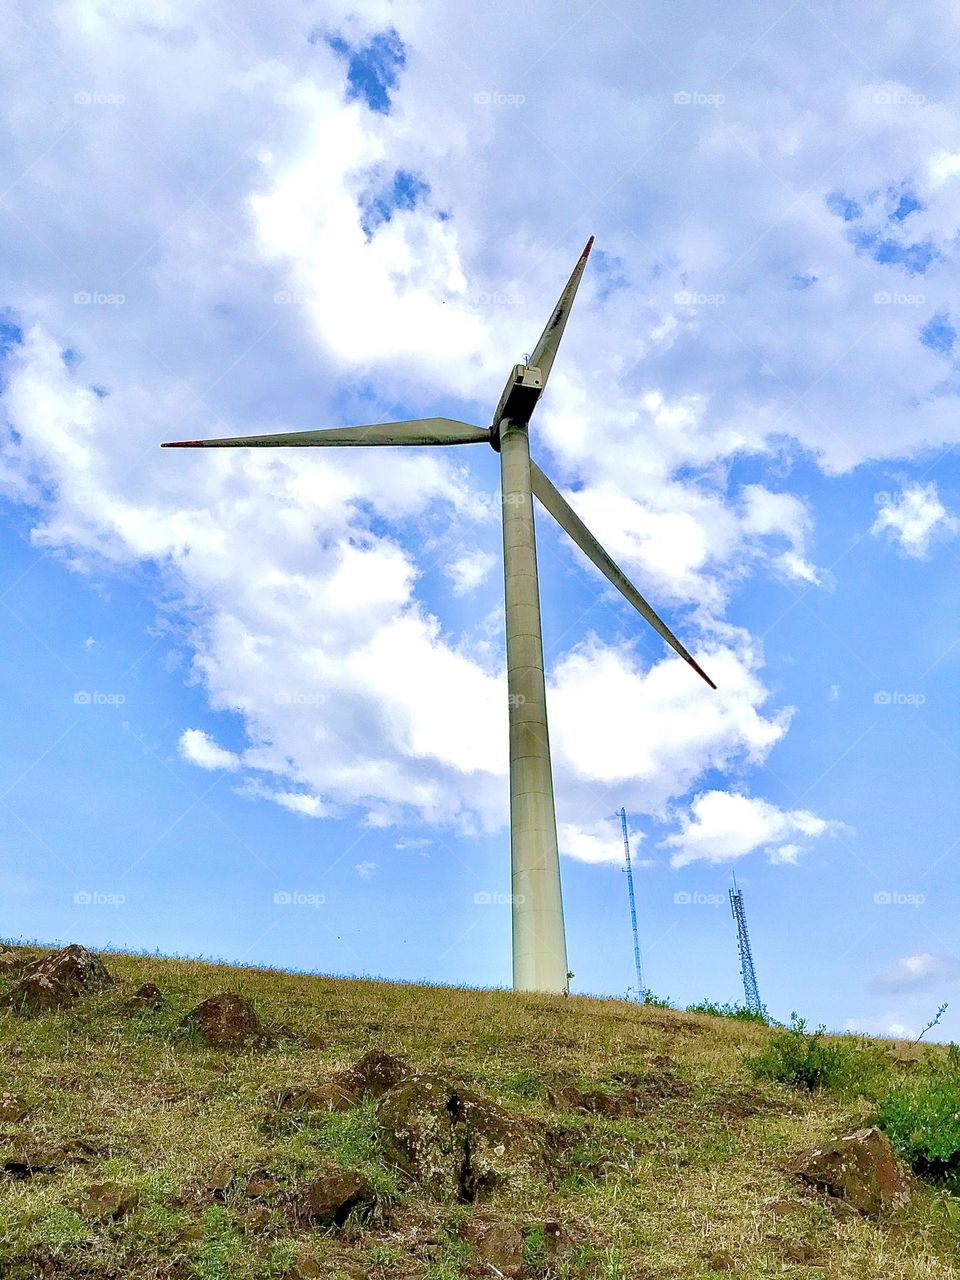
(922, 1119)
(658, 1002)
(809, 1061)
(738, 1012)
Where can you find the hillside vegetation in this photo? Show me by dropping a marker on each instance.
(371, 1129)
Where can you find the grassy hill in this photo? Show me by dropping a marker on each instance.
(637, 1143)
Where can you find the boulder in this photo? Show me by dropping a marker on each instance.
(453, 1142)
(12, 1108)
(331, 1197)
(860, 1170)
(109, 1200)
(57, 980)
(323, 1098)
(27, 1161)
(145, 999)
(226, 1021)
(500, 1248)
(375, 1074)
(260, 1185)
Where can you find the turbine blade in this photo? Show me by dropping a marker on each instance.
(568, 520)
(418, 431)
(546, 349)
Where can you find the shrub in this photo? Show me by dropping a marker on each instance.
(658, 1002)
(922, 1118)
(809, 1061)
(738, 1012)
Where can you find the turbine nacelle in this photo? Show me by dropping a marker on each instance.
(520, 395)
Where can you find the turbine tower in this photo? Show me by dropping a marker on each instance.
(539, 941)
(633, 904)
(751, 995)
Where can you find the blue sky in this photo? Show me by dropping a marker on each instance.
(255, 704)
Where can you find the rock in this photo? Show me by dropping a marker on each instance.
(452, 1141)
(500, 1247)
(12, 1109)
(260, 1184)
(27, 1161)
(375, 1074)
(56, 981)
(323, 1098)
(109, 1200)
(305, 1269)
(145, 999)
(257, 1218)
(218, 1179)
(226, 1021)
(721, 1260)
(860, 1170)
(332, 1197)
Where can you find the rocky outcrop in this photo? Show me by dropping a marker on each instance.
(226, 1021)
(55, 981)
(860, 1170)
(109, 1200)
(146, 999)
(374, 1075)
(453, 1142)
(331, 1197)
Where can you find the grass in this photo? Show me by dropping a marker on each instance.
(691, 1183)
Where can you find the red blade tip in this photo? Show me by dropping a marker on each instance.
(183, 444)
(587, 247)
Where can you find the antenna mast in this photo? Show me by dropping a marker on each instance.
(750, 993)
(633, 904)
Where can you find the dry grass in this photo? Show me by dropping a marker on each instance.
(695, 1184)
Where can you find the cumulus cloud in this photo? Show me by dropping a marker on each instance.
(913, 518)
(469, 571)
(249, 295)
(723, 826)
(197, 747)
(920, 971)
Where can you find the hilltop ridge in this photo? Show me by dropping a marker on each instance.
(181, 1119)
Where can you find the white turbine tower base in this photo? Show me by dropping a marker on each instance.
(539, 941)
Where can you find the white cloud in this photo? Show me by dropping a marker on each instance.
(366, 870)
(469, 571)
(197, 747)
(297, 576)
(723, 826)
(920, 971)
(914, 517)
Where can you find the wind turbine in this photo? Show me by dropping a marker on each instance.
(539, 942)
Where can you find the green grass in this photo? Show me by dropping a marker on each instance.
(692, 1173)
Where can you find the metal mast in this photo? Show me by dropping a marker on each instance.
(750, 993)
(633, 904)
